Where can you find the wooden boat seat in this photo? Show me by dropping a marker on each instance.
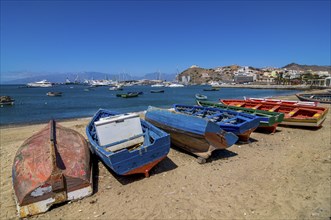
(291, 113)
(118, 132)
(257, 106)
(274, 108)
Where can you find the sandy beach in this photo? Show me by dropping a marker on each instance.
(286, 175)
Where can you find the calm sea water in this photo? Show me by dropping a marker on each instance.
(32, 105)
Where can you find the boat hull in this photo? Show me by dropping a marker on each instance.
(6, 100)
(269, 120)
(239, 123)
(322, 98)
(287, 102)
(200, 97)
(305, 116)
(157, 91)
(53, 94)
(41, 179)
(196, 135)
(129, 161)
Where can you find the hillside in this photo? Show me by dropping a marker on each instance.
(226, 73)
(202, 75)
(298, 67)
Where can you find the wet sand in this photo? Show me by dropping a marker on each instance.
(286, 175)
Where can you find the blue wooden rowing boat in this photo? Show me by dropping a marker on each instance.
(241, 124)
(126, 143)
(196, 135)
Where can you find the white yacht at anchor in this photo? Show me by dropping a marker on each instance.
(43, 83)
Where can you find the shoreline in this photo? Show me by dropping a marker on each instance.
(24, 124)
(281, 87)
(285, 175)
(4, 126)
(63, 120)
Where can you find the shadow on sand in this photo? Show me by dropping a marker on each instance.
(216, 154)
(165, 165)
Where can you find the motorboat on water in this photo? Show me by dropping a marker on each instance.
(43, 83)
(54, 94)
(175, 85)
(6, 100)
(157, 85)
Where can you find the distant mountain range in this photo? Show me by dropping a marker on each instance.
(24, 78)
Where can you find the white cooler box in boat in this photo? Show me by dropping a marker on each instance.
(125, 129)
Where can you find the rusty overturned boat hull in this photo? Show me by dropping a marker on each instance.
(51, 167)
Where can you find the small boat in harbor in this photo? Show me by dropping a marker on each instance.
(114, 88)
(268, 122)
(211, 89)
(50, 167)
(54, 94)
(128, 95)
(196, 135)
(280, 101)
(126, 143)
(158, 85)
(304, 116)
(157, 91)
(201, 97)
(6, 100)
(40, 84)
(318, 97)
(239, 123)
(175, 85)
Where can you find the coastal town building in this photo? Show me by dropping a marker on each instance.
(326, 82)
(243, 78)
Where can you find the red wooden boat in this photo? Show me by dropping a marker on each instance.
(296, 115)
(280, 101)
(51, 167)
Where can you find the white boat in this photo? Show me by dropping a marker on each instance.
(43, 83)
(215, 84)
(279, 101)
(157, 85)
(201, 97)
(175, 85)
(118, 87)
(102, 82)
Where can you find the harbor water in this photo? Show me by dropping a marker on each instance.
(32, 105)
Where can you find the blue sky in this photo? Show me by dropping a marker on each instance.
(146, 36)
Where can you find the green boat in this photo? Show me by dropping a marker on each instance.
(128, 95)
(268, 123)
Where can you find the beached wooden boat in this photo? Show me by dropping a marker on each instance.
(201, 97)
(280, 101)
(157, 91)
(196, 135)
(239, 123)
(6, 100)
(305, 116)
(268, 122)
(126, 143)
(54, 93)
(319, 97)
(51, 167)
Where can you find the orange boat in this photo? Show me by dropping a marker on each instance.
(51, 167)
(280, 101)
(296, 115)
